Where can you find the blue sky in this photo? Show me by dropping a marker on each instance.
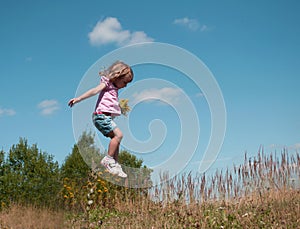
(251, 47)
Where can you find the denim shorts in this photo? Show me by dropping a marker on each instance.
(104, 123)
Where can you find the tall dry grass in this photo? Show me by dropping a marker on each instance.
(263, 192)
(23, 217)
(256, 176)
(275, 210)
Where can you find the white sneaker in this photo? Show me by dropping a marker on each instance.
(121, 172)
(113, 167)
(110, 165)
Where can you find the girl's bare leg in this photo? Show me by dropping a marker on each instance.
(113, 149)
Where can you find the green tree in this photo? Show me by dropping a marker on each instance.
(130, 160)
(2, 153)
(84, 154)
(74, 166)
(2, 185)
(29, 176)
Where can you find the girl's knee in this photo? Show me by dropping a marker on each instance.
(118, 134)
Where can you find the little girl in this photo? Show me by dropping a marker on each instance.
(117, 76)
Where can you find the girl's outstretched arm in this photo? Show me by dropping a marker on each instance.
(89, 93)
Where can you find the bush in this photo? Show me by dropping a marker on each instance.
(29, 176)
(82, 185)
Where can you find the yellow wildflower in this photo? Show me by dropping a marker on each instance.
(125, 108)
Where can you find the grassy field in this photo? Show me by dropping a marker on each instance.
(274, 210)
(261, 193)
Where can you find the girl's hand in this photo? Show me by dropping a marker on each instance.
(73, 101)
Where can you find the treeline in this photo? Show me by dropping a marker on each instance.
(29, 176)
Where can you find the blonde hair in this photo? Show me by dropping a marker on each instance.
(117, 70)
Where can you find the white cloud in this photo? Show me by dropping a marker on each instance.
(110, 30)
(191, 24)
(7, 112)
(139, 37)
(166, 94)
(48, 107)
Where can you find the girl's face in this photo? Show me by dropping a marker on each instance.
(122, 81)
